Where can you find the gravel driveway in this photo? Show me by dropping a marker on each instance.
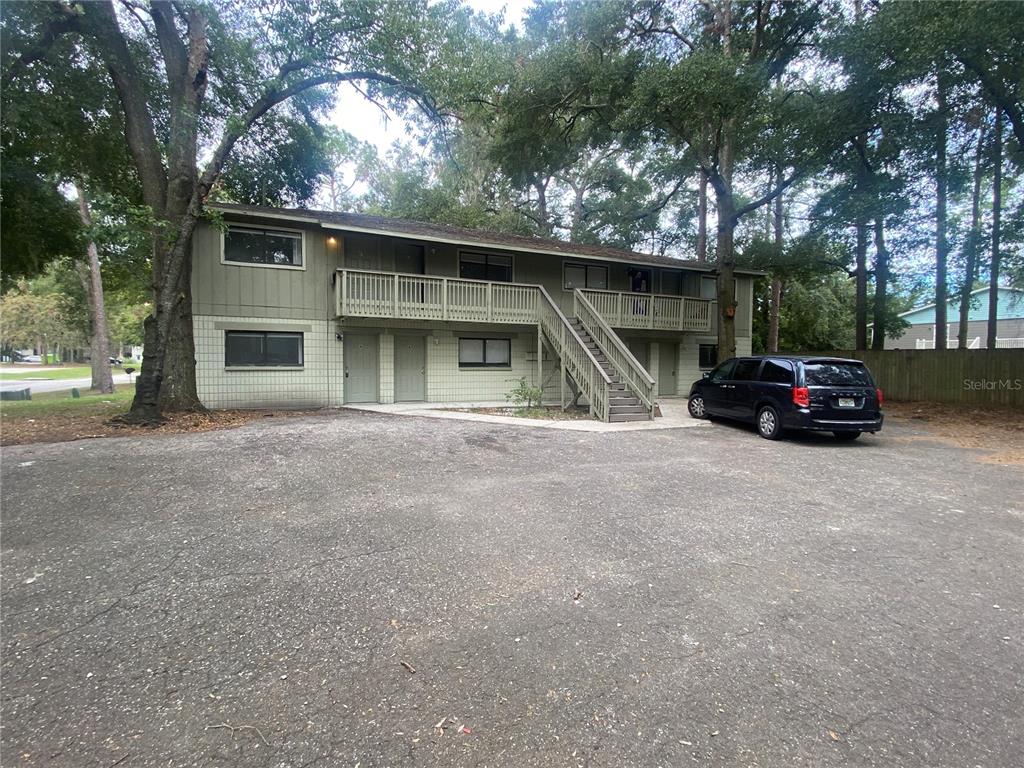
(670, 598)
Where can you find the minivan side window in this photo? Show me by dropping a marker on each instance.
(777, 372)
(746, 370)
(724, 371)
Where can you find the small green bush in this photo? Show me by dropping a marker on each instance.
(525, 396)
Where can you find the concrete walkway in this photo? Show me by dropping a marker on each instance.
(674, 416)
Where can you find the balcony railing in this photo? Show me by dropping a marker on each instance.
(651, 311)
(361, 293)
(421, 297)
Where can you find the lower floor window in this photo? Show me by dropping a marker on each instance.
(708, 355)
(485, 353)
(245, 348)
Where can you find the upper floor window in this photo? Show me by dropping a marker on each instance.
(263, 247)
(584, 276)
(671, 282)
(709, 288)
(485, 266)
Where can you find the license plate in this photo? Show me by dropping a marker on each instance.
(847, 402)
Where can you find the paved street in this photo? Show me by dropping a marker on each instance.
(59, 385)
(662, 598)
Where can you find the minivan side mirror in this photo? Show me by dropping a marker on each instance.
(706, 375)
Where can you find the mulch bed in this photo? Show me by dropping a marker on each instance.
(60, 428)
(554, 413)
(998, 431)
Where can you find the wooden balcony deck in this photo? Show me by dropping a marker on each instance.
(361, 293)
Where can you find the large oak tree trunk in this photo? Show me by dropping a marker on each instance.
(724, 248)
(99, 341)
(178, 391)
(997, 213)
(725, 209)
(172, 302)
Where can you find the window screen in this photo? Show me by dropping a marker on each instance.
(707, 355)
(584, 276)
(708, 288)
(485, 266)
(671, 283)
(246, 348)
(247, 245)
(485, 353)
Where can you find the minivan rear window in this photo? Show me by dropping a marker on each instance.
(837, 375)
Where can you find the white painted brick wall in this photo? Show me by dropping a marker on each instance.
(317, 383)
(447, 383)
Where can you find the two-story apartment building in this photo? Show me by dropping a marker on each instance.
(312, 308)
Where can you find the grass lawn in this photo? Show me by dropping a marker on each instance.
(63, 404)
(71, 372)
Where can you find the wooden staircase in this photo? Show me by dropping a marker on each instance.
(623, 405)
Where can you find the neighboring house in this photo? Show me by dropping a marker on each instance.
(1009, 322)
(311, 308)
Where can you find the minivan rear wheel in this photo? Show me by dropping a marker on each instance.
(845, 437)
(768, 424)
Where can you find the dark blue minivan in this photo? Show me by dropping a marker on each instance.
(780, 392)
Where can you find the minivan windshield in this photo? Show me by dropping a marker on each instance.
(835, 374)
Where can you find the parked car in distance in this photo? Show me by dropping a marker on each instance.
(784, 392)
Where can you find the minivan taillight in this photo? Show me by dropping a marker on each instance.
(878, 394)
(801, 397)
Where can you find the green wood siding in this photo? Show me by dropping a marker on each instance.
(240, 290)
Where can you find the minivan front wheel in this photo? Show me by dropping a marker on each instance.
(768, 423)
(696, 407)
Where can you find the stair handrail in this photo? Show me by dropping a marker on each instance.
(636, 377)
(595, 383)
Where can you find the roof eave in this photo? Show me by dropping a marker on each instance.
(304, 217)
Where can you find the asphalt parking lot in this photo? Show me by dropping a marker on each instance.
(261, 597)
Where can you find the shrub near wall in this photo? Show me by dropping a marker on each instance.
(967, 376)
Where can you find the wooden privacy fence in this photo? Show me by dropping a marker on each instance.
(968, 376)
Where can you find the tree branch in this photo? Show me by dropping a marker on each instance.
(236, 127)
(100, 20)
(1010, 106)
(65, 19)
(771, 195)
